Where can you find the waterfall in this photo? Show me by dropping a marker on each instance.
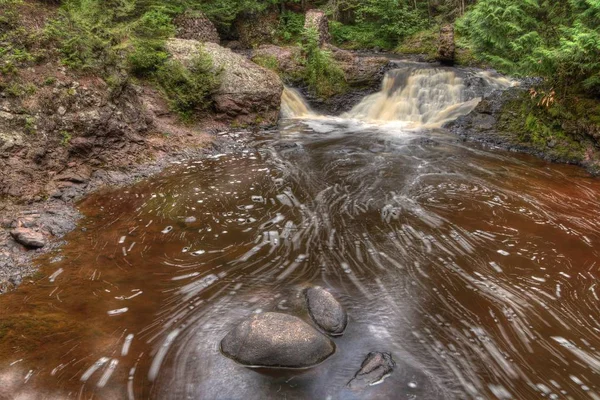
(293, 104)
(414, 95)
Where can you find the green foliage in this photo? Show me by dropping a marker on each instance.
(49, 81)
(65, 138)
(81, 45)
(93, 35)
(376, 23)
(154, 25)
(16, 89)
(19, 46)
(424, 42)
(189, 89)
(558, 131)
(224, 12)
(557, 40)
(29, 125)
(269, 62)
(147, 57)
(291, 26)
(323, 76)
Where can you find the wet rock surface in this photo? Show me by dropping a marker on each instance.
(376, 367)
(326, 311)
(276, 340)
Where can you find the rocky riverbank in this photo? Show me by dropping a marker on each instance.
(516, 120)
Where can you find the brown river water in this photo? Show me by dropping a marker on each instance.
(477, 269)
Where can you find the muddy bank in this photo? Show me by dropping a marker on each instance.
(56, 216)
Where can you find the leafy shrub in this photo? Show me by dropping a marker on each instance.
(154, 25)
(147, 57)
(323, 76)
(291, 26)
(189, 90)
(557, 40)
(80, 46)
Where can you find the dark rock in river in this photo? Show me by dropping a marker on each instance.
(326, 311)
(275, 340)
(29, 238)
(375, 368)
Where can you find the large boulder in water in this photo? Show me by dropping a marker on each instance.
(326, 311)
(249, 94)
(275, 340)
(194, 25)
(317, 20)
(447, 47)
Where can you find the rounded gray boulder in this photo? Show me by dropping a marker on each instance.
(326, 311)
(275, 340)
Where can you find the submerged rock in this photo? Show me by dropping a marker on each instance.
(326, 311)
(248, 94)
(29, 238)
(275, 340)
(374, 369)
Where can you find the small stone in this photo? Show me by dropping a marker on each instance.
(190, 220)
(275, 340)
(326, 311)
(29, 238)
(374, 369)
(62, 110)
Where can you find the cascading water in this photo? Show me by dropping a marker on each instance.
(419, 96)
(293, 104)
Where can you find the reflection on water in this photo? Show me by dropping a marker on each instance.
(476, 270)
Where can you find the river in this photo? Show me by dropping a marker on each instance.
(476, 268)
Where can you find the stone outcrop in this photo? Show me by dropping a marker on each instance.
(275, 340)
(360, 71)
(326, 311)
(65, 125)
(374, 369)
(248, 94)
(196, 26)
(316, 19)
(446, 46)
